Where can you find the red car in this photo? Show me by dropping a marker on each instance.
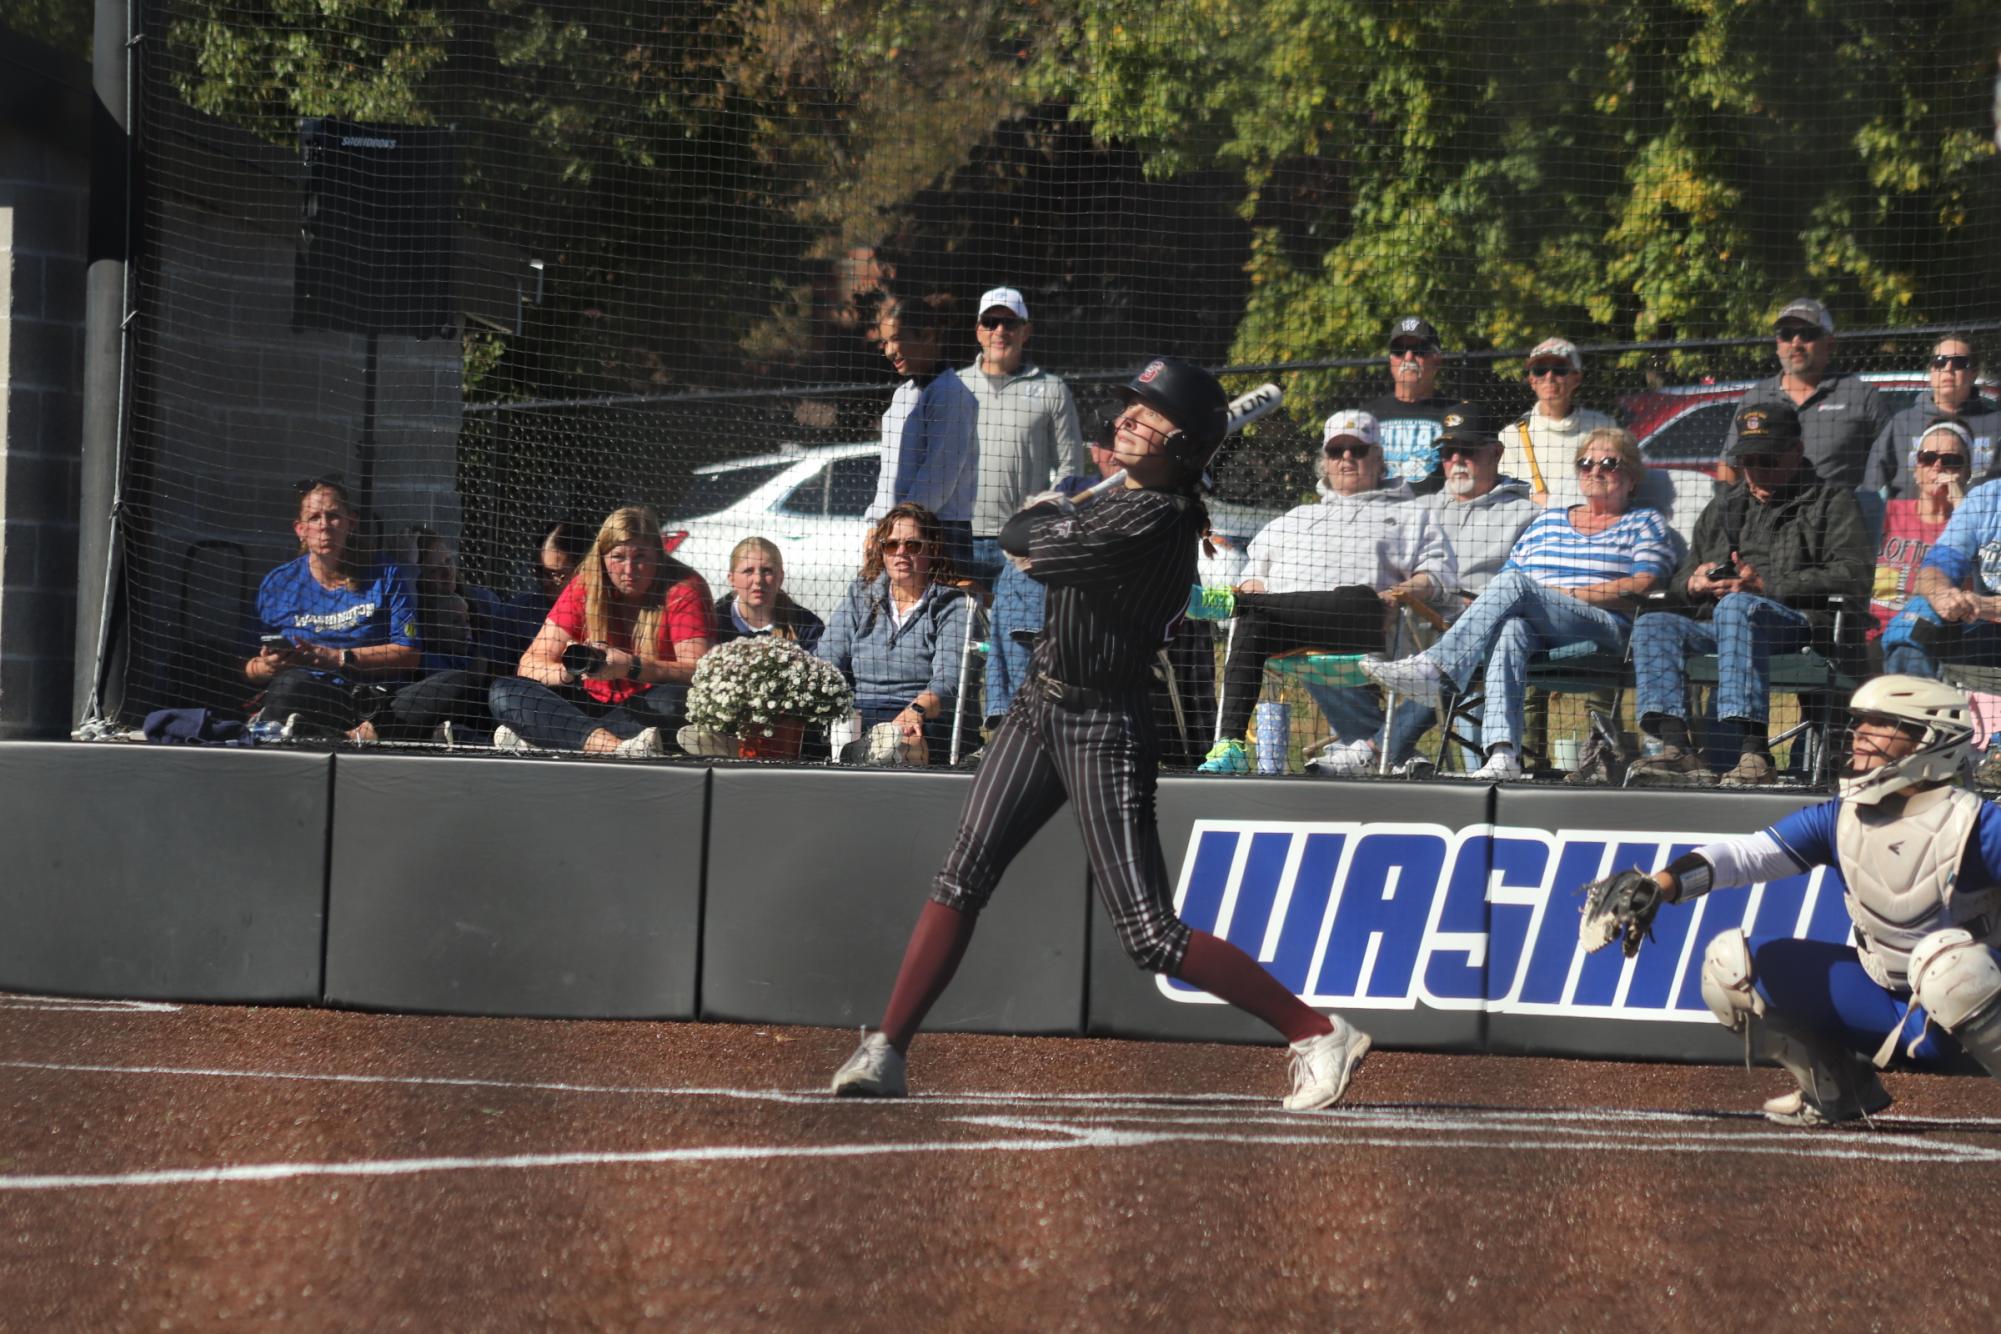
(1685, 426)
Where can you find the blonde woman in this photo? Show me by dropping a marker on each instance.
(609, 669)
(1574, 574)
(757, 603)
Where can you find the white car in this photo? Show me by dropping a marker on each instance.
(809, 499)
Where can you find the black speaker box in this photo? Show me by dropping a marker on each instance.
(376, 229)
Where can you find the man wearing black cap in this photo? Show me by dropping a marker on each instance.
(1411, 416)
(1780, 533)
(1840, 415)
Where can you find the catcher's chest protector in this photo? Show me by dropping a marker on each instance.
(1901, 871)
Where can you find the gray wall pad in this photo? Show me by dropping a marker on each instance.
(816, 877)
(1305, 831)
(156, 872)
(1561, 1003)
(516, 886)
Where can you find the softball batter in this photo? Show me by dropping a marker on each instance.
(1118, 574)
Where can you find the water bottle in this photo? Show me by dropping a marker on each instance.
(1274, 735)
(264, 731)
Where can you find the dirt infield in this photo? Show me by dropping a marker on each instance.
(168, 1167)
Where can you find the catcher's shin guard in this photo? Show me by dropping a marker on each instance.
(1958, 981)
(1834, 1086)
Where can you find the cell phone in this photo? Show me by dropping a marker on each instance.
(276, 643)
(1722, 569)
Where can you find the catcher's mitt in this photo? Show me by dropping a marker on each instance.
(1620, 907)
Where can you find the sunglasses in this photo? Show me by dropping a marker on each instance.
(1953, 362)
(1806, 334)
(1538, 372)
(1471, 453)
(1932, 458)
(908, 546)
(1411, 349)
(1349, 451)
(1763, 461)
(998, 322)
(1599, 465)
(305, 486)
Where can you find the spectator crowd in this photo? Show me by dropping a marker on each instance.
(1446, 577)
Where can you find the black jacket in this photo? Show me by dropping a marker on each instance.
(1809, 541)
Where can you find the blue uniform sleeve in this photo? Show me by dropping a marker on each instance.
(402, 607)
(1986, 847)
(1808, 835)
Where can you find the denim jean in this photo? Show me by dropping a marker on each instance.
(563, 717)
(987, 560)
(1973, 642)
(1356, 712)
(1513, 617)
(1744, 634)
(1018, 605)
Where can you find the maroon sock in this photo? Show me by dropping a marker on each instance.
(1229, 974)
(929, 961)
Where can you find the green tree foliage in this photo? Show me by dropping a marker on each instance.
(1628, 170)
(62, 24)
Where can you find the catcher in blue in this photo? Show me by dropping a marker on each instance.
(1921, 857)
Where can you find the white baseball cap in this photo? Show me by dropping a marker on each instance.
(1007, 299)
(1351, 425)
(1557, 349)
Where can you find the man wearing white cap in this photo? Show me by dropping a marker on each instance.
(1027, 423)
(1538, 448)
(1325, 576)
(1840, 415)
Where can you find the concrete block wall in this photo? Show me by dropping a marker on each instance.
(44, 195)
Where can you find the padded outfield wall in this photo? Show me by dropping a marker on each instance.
(1439, 916)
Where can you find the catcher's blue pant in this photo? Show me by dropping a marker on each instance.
(1099, 752)
(1821, 986)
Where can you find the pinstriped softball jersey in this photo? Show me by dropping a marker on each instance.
(1118, 574)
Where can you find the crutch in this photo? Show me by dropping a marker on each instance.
(975, 619)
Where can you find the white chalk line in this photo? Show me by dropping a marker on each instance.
(1105, 1121)
(85, 1005)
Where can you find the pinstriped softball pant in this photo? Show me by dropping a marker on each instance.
(1104, 762)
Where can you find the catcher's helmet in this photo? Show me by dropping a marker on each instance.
(1189, 397)
(1944, 717)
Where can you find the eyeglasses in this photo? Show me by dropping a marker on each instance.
(1537, 372)
(908, 546)
(1806, 333)
(1599, 465)
(1953, 362)
(1932, 458)
(998, 321)
(1410, 350)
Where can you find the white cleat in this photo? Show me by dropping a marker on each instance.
(1796, 1109)
(1411, 678)
(874, 1071)
(1322, 1066)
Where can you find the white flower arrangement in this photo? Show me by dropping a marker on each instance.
(760, 680)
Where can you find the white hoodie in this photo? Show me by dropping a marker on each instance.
(1375, 538)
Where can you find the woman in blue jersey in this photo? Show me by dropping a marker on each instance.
(1574, 574)
(339, 653)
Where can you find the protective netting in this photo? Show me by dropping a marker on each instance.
(498, 267)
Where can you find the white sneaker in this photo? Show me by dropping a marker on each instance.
(874, 1071)
(1352, 759)
(706, 742)
(506, 738)
(1407, 678)
(1501, 767)
(1322, 1066)
(646, 746)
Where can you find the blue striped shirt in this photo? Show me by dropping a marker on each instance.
(1552, 552)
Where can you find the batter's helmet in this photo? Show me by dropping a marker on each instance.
(1189, 397)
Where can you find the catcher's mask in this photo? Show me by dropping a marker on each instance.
(1938, 719)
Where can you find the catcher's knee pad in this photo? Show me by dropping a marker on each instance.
(1955, 977)
(1726, 980)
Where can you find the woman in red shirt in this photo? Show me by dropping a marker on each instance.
(1942, 467)
(609, 670)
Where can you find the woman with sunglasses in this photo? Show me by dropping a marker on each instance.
(1943, 462)
(900, 633)
(340, 653)
(1952, 378)
(609, 671)
(1574, 574)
